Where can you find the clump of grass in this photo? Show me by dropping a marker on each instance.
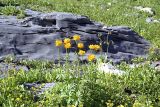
(12, 10)
(139, 86)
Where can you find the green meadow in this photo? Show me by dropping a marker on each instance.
(138, 87)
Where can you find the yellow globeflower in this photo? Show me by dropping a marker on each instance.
(80, 45)
(81, 52)
(76, 37)
(18, 99)
(58, 43)
(91, 46)
(97, 47)
(91, 57)
(67, 40)
(67, 45)
(120, 106)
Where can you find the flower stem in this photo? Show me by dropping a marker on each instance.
(59, 58)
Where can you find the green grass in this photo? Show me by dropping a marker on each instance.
(139, 87)
(93, 89)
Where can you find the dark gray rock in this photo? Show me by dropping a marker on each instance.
(38, 88)
(156, 65)
(34, 37)
(46, 86)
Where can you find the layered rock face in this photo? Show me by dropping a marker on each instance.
(34, 37)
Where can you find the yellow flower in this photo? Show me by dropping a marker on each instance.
(110, 104)
(81, 52)
(18, 99)
(67, 45)
(94, 47)
(138, 104)
(91, 57)
(97, 47)
(58, 43)
(76, 37)
(91, 46)
(67, 40)
(120, 106)
(80, 45)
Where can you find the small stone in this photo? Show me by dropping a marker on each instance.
(152, 20)
(156, 65)
(149, 19)
(145, 9)
(46, 87)
(40, 87)
(108, 68)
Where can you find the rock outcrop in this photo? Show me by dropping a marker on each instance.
(34, 37)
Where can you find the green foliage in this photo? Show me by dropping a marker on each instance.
(12, 10)
(9, 10)
(140, 86)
